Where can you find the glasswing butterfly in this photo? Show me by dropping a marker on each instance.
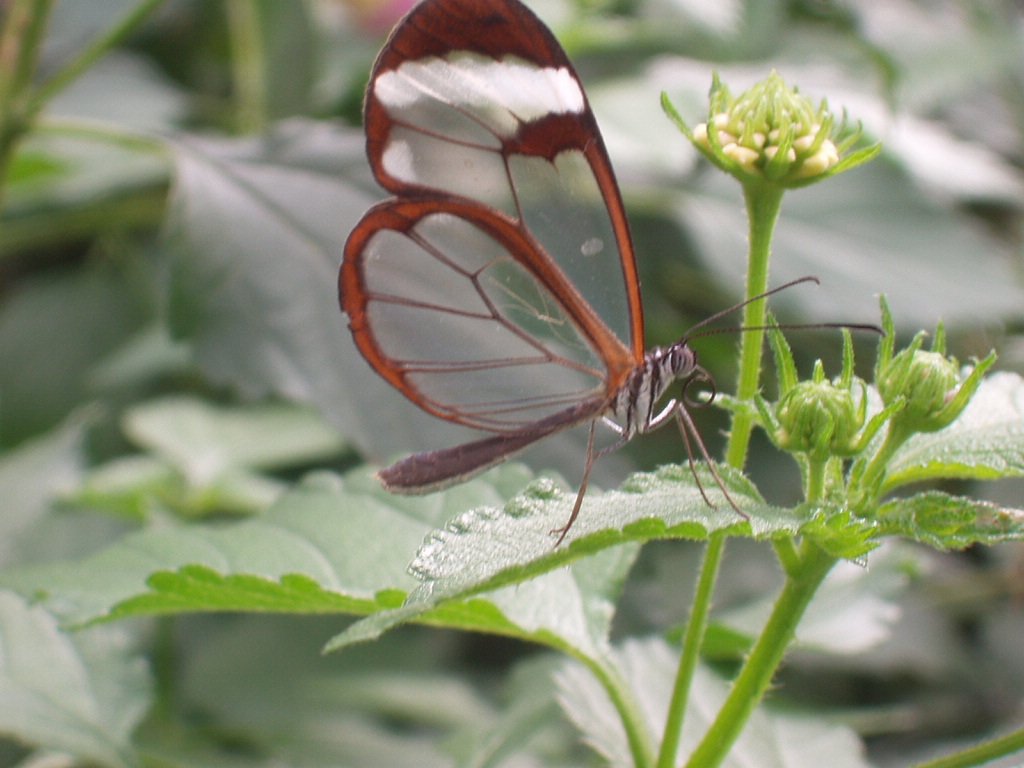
(498, 288)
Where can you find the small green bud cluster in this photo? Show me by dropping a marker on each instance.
(826, 422)
(819, 418)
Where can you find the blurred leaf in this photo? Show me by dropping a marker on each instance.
(529, 714)
(134, 487)
(32, 476)
(143, 487)
(854, 610)
(867, 233)
(940, 54)
(76, 25)
(945, 522)
(83, 695)
(54, 327)
(275, 699)
(649, 669)
(148, 355)
(203, 440)
(319, 549)
(986, 441)
(124, 90)
(257, 229)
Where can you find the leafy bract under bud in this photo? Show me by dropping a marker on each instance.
(772, 133)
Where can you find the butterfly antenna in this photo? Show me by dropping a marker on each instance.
(729, 310)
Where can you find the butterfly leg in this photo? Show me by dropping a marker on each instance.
(592, 458)
(583, 487)
(688, 429)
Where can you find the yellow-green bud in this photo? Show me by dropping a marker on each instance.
(818, 418)
(771, 131)
(928, 382)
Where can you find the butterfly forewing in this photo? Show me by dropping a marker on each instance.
(477, 99)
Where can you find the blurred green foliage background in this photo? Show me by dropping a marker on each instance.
(171, 348)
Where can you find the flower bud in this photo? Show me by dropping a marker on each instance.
(771, 133)
(818, 418)
(927, 381)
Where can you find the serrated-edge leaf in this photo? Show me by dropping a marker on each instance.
(488, 549)
(197, 588)
(944, 521)
(986, 442)
(570, 609)
(324, 531)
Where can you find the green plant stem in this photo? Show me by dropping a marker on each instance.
(788, 554)
(981, 754)
(815, 489)
(692, 644)
(760, 667)
(763, 202)
(22, 35)
(637, 735)
(99, 48)
(20, 43)
(868, 485)
(247, 66)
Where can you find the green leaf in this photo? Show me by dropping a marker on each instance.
(986, 442)
(77, 316)
(200, 438)
(81, 694)
(944, 521)
(319, 549)
(853, 611)
(487, 549)
(142, 487)
(204, 457)
(32, 477)
(256, 230)
(530, 714)
(649, 667)
(261, 682)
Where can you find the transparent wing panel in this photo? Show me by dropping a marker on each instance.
(452, 118)
(462, 125)
(564, 211)
(471, 330)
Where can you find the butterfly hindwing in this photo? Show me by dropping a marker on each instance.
(451, 304)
